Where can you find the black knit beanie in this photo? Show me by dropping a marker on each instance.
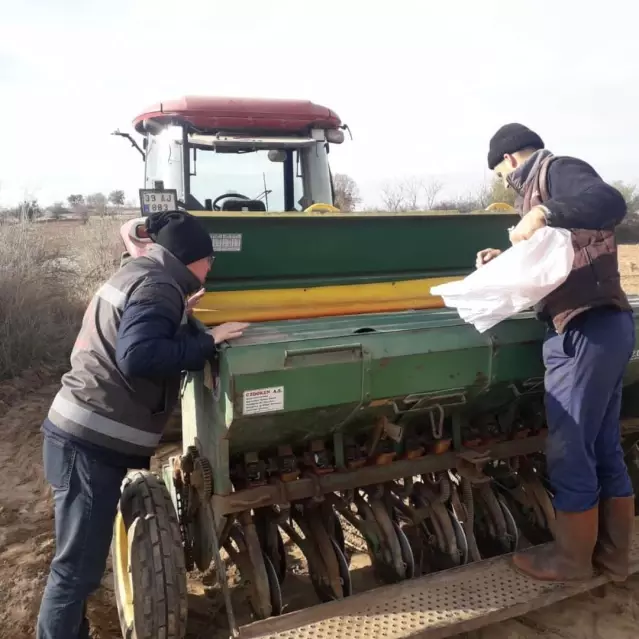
(510, 139)
(181, 234)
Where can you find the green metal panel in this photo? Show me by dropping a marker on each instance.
(284, 251)
(330, 373)
(338, 374)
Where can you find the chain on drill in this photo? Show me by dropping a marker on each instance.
(181, 494)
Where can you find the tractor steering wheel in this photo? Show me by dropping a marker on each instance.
(224, 196)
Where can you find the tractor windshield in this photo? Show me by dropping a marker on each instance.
(253, 173)
(246, 172)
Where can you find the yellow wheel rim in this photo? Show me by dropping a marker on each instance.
(500, 206)
(121, 561)
(321, 207)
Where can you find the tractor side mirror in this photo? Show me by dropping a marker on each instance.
(276, 155)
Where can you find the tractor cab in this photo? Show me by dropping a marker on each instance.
(240, 155)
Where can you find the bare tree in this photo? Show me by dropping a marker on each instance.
(431, 190)
(499, 193)
(116, 197)
(410, 194)
(630, 193)
(57, 210)
(484, 196)
(469, 202)
(346, 192)
(412, 188)
(97, 202)
(403, 195)
(29, 210)
(393, 197)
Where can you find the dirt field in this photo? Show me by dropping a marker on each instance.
(26, 545)
(629, 267)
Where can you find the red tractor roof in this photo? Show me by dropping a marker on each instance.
(241, 114)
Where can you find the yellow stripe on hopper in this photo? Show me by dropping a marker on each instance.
(321, 301)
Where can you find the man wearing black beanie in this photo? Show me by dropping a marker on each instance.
(589, 341)
(109, 414)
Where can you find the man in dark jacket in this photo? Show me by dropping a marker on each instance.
(109, 414)
(589, 341)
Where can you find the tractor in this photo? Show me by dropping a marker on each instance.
(356, 414)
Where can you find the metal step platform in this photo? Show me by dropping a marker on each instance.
(433, 606)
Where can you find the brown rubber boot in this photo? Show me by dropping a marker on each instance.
(569, 557)
(612, 552)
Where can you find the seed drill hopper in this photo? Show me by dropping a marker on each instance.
(355, 416)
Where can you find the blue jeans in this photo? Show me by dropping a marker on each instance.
(86, 493)
(584, 379)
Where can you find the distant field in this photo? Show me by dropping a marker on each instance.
(629, 267)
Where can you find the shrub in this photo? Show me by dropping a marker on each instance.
(48, 274)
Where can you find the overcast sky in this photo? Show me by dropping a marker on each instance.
(423, 85)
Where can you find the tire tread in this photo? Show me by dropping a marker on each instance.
(158, 568)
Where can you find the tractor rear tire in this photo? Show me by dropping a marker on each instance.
(148, 561)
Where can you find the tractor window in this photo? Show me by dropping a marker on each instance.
(249, 173)
(164, 160)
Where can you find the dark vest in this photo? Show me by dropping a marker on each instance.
(594, 280)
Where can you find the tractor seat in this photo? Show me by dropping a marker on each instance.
(243, 205)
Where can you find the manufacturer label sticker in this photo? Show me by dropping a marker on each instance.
(227, 242)
(263, 400)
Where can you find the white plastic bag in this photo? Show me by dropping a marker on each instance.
(515, 280)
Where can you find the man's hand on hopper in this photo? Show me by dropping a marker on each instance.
(228, 331)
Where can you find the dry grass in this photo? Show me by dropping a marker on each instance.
(97, 249)
(47, 274)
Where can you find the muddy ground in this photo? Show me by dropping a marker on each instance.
(26, 545)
